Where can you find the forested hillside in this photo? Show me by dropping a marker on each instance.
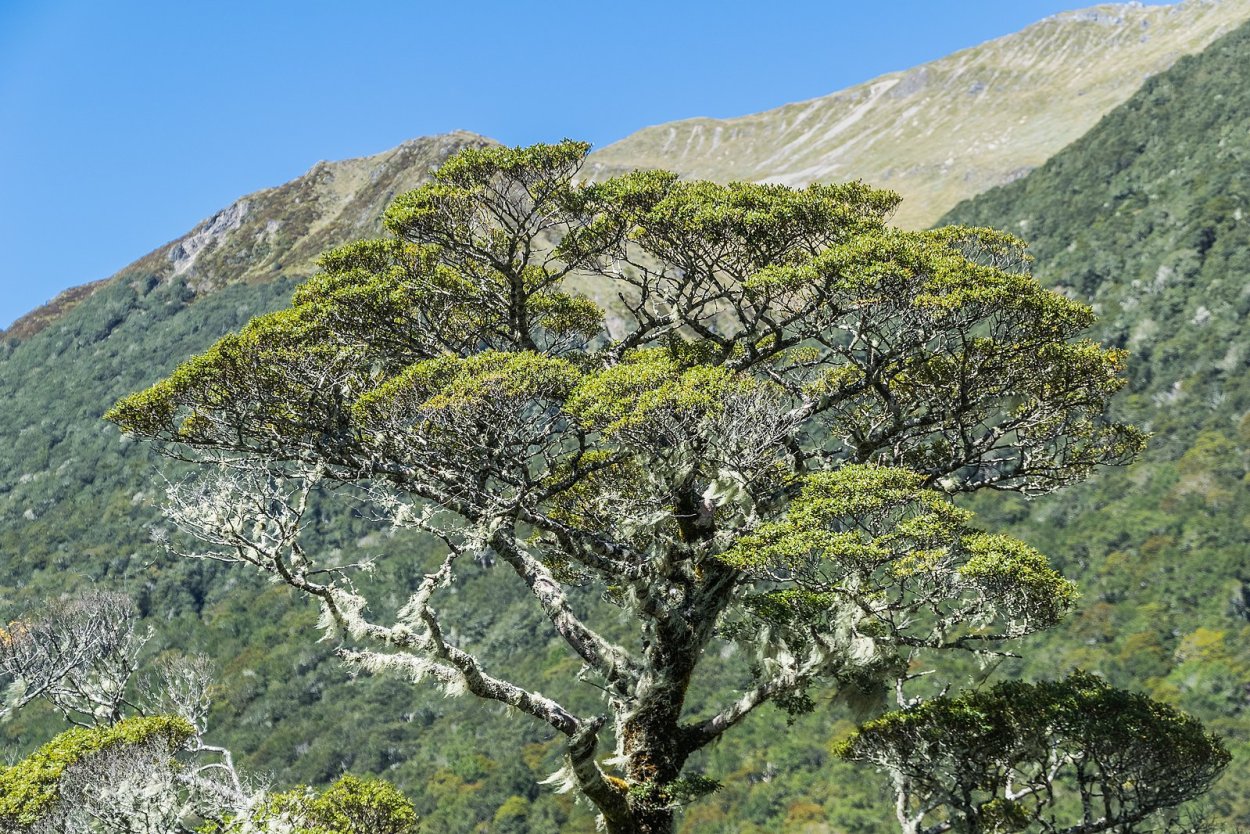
(1147, 217)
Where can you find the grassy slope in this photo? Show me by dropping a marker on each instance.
(949, 129)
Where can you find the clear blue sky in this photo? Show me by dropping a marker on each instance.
(122, 124)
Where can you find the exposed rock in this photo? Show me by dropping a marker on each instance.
(212, 231)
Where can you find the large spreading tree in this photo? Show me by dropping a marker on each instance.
(750, 444)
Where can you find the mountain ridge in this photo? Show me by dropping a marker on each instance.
(939, 132)
(214, 252)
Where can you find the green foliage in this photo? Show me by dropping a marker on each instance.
(1147, 218)
(350, 806)
(879, 530)
(674, 794)
(1018, 754)
(492, 379)
(30, 789)
(650, 387)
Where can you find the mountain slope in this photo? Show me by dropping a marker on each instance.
(1147, 217)
(949, 129)
(278, 231)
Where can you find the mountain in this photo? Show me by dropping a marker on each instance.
(949, 129)
(937, 133)
(1147, 218)
(278, 231)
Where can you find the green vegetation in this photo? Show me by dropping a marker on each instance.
(1147, 218)
(1009, 757)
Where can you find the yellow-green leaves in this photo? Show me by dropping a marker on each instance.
(757, 225)
(276, 377)
(449, 383)
(539, 163)
(653, 385)
(350, 806)
(876, 534)
(566, 315)
(513, 185)
(854, 518)
(1020, 578)
(494, 218)
(30, 789)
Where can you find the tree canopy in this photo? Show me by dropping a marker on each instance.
(1073, 755)
(739, 413)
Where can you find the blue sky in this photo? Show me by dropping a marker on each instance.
(123, 124)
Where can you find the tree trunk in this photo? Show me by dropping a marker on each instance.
(654, 743)
(655, 821)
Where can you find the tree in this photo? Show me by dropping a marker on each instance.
(137, 762)
(753, 446)
(114, 777)
(1073, 756)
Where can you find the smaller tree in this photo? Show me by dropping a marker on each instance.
(138, 761)
(1074, 756)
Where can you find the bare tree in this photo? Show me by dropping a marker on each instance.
(78, 653)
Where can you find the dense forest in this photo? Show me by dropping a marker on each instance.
(1147, 218)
